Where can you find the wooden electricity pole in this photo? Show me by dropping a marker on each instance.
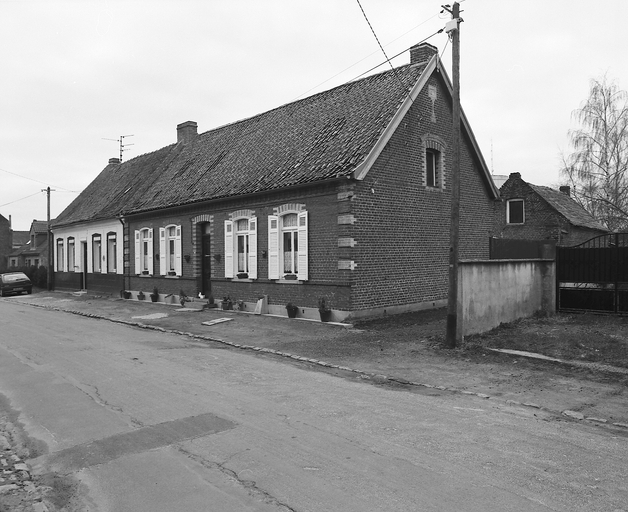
(453, 28)
(50, 251)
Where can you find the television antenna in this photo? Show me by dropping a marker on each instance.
(122, 144)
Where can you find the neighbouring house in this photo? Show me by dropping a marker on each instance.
(534, 212)
(34, 252)
(344, 195)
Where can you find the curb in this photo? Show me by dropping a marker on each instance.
(377, 378)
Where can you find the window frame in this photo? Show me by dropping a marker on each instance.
(71, 254)
(97, 255)
(170, 251)
(232, 235)
(433, 153)
(509, 202)
(112, 259)
(276, 253)
(144, 239)
(59, 255)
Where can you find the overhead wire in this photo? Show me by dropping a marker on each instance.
(37, 181)
(370, 55)
(17, 200)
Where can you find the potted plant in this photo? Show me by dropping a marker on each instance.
(242, 275)
(290, 277)
(140, 296)
(324, 309)
(292, 310)
(126, 294)
(211, 303)
(155, 295)
(226, 303)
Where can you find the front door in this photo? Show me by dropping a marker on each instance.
(207, 269)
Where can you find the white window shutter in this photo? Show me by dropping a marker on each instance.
(162, 252)
(177, 251)
(302, 274)
(228, 248)
(253, 248)
(273, 247)
(138, 253)
(151, 252)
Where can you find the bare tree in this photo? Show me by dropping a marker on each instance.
(597, 169)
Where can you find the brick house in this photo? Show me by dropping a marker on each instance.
(34, 252)
(343, 195)
(535, 212)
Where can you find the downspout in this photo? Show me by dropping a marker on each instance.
(126, 279)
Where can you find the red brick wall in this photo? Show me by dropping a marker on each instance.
(402, 228)
(324, 277)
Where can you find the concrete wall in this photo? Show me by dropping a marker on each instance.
(500, 291)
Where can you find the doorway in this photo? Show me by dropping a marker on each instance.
(84, 265)
(206, 271)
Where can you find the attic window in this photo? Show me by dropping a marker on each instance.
(515, 211)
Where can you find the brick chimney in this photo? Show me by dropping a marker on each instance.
(186, 131)
(421, 53)
(515, 175)
(565, 189)
(114, 160)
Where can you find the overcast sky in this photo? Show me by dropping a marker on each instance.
(77, 72)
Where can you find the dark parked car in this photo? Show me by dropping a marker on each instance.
(15, 282)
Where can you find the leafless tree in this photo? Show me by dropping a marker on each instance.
(597, 169)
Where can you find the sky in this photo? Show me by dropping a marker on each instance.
(76, 75)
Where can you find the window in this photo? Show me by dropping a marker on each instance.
(241, 246)
(144, 251)
(60, 255)
(71, 259)
(96, 254)
(515, 211)
(287, 246)
(170, 251)
(433, 163)
(112, 255)
(432, 158)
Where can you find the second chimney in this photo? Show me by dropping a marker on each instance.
(421, 53)
(565, 189)
(186, 131)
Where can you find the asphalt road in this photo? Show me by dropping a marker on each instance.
(150, 421)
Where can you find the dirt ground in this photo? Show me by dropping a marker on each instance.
(405, 351)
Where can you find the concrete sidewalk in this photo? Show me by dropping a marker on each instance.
(410, 356)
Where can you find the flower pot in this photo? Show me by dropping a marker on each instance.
(325, 315)
(226, 305)
(154, 298)
(126, 295)
(292, 312)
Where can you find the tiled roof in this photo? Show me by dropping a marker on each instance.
(568, 207)
(318, 138)
(39, 226)
(20, 237)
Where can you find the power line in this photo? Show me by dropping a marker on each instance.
(380, 45)
(7, 204)
(36, 181)
(371, 54)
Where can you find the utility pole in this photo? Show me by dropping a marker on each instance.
(453, 29)
(50, 251)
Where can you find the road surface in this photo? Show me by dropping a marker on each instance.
(150, 421)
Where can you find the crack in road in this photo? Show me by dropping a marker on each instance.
(250, 485)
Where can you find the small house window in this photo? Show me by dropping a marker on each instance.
(515, 211)
(60, 255)
(432, 161)
(170, 251)
(241, 246)
(144, 251)
(96, 254)
(71, 255)
(111, 253)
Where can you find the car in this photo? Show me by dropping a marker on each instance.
(15, 282)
